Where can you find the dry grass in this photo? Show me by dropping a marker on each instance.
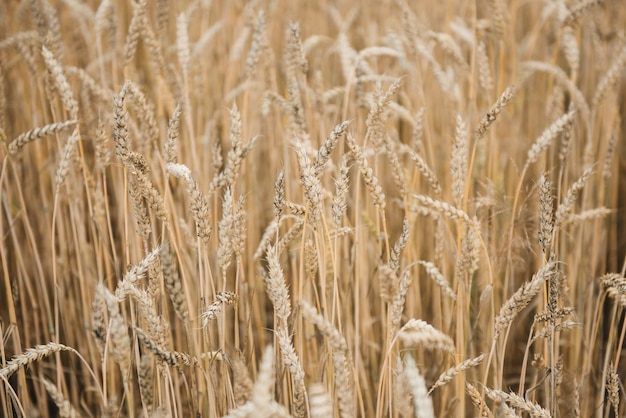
(335, 208)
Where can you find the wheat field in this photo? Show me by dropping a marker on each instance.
(276, 208)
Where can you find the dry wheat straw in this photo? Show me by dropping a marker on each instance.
(16, 144)
(422, 404)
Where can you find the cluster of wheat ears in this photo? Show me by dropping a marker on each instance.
(276, 208)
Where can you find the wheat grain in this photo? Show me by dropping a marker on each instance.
(438, 278)
(198, 201)
(548, 136)
(419, 333)
(215, 309)
(572, 194)
(323, 155)
(522, 297)
(144, 380)
(492, 114)
(279, 196)
(66, 410)
(339, 204)
(518, 402)
(370, 180)
(478, 401)
(458, 162)
(32, 355)
(344, 389)
(422, 403)
(445, 377)
(546, 219)
(277, 286)
(16, 144)
(173, 283)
